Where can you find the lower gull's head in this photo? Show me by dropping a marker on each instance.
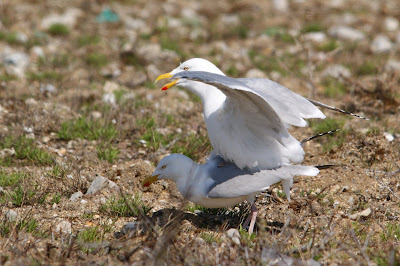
(194, 64)
(173, 167)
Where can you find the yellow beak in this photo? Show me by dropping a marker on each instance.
(164, 76)
(149, 180)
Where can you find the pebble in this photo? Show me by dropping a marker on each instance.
(336, 71)
(12, 216)
(234, 235)
(346, 33)
(7, 153)
(109, 98)
(388, 136)
(15, 63)
(362, 214)
(76, 196)
(48, 88)
(99, 183)
(391, 24)
(46, 139)
(270, 256)
(1, 190)
(62, 152)
(345, 189)
(30, 136)
(392, 65)
(381, 44)
(316, 37)
(68, 18)
(63, 227)
(280, 5)
(31, 101)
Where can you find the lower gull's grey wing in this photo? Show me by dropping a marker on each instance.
(291, 107)
(246, 183)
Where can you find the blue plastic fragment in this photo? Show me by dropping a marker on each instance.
(107, 15)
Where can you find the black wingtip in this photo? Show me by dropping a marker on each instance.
(327, 166)
(316, 103)
(318, 135)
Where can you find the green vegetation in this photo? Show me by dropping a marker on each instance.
(44, 76)
(85, 128)
(333, 87)
(9, 37)
(58, 29)
(26, 152)
(96, 59)
(392, 232)
(244, 236)
(118, 207)
(86, 40)
(331, 141)
(367, 68)
(210, 237)
(328, 46)
(107, 153)
(28, 225)
(11, 179)
(193, 146)
(313, 27)
(279, 34)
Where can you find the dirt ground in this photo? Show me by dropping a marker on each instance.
(78, 106)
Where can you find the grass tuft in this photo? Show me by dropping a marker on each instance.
(84, 128)
(118, 207)
(58, 29)
(332, 141)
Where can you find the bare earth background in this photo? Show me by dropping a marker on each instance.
(81, 120)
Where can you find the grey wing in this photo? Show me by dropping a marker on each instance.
(291, 107)
(246, 184)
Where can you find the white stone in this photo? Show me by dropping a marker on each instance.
(31, 101)
(392, 65)
(346, 33)
(316, 37)
(11, 216)
(381, 44)
(64, 227)
(7, 153)
(76, 196)
(280, 5)
(15, 63)
(388, 136)
(49, 88)
(391, 24)
(99, 183)
(364, 213)
(336, 71)
(38, 51)
(109, 98)
(68, 18)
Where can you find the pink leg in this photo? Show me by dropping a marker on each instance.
(251, 218)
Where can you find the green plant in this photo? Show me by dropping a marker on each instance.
(210, 237)
(26, 152)
(107, 153)
(96, 59)
(333, 87)
(121, 208)
(56, 198)
(313, 27)
(84, 128)
(90, 234)
(332, 141)
(86, 40)
(367, 68)
(44, 76)
(11, 179)
(58, 29)
(194, 146)
(328, 46)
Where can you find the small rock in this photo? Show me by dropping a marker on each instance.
(12, 216)
(345, 188)
(391, 24)
(392, 65)
(62, 152)
(255, 73)
(68, 18)
(346, 33)
(46, 139)
(30, 136)
(95, 115)
(336, 71)
(270, 256)
(388, 136)
(110, 86)
(381, 44)
(362, 214)
(317, 37)
(28, 129)
(199, 241)
(15, 63)
(83, 201)
(280, 5)
(7, 153)
(37, 51)
(99, 183)
(109, 98)
(48, 88)
(1, 190)
(234, 235)
(64, 227)
(351, 201)
(30, 101)
(130, 228)
(76, 196)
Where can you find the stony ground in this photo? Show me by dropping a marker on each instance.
(82, 124)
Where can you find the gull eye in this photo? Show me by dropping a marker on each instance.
(186, 68)
(163, 167)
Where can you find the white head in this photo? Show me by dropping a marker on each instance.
(194, 64)
(176, 167)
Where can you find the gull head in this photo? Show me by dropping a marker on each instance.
(194, 64)
(176, 167)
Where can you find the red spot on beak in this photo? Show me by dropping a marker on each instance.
(164, 88)
(146, 184)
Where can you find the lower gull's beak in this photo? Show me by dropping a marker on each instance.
(149, 180)
(164, 76)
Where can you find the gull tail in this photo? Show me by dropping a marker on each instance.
(335, 109)
(317, 136)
